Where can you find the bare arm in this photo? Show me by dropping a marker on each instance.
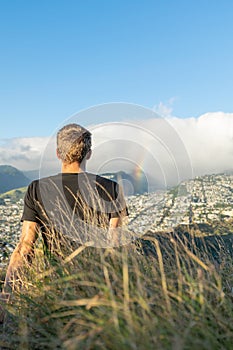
(115, 222)
(116, 231)
(22, 252)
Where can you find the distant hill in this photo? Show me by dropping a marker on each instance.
(228, 172)
(131, 184)
(14, 195)
(11, 178)
(32, 174)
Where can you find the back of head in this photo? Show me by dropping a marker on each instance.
(73, 143)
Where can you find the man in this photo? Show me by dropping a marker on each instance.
(74, 205)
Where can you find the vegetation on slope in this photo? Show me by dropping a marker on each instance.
(15, 194)
(156, 293)
(11, 178)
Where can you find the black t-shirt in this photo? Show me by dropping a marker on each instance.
(74, 204)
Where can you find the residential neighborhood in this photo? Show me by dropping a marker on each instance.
(201, 200)
(204, 199)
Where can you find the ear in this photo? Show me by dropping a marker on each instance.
(58, 155)
(88, 156)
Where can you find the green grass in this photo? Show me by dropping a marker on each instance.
(153, 294)
(15, 194)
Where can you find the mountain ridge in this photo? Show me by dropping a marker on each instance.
(11, 178)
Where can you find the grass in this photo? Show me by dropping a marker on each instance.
(155, 293)
(15, 194)
(161, 291)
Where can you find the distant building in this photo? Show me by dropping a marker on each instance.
(7, 200)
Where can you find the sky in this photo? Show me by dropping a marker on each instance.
(84, 60)
(60, 57)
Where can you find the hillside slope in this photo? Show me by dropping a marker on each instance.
(11, 178)
(14, 195)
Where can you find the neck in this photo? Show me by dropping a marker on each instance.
(73, 167)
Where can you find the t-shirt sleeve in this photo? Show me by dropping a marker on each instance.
(30, 212)
(121, 209)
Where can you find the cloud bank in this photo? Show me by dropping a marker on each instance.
(23, 153)
(167, 150)
(208, 140)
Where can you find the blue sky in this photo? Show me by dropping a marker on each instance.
(58, 57)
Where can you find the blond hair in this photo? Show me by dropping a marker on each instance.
(73, 143)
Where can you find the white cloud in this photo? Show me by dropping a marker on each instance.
(166, 149)
(165, 109)
(208, 140)
(23, 153)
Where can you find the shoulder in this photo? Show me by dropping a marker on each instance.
(103, 181)
(33, 185)
(46, 182)
(50, 178)
(38, 184)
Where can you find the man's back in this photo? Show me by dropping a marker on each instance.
(73, 202)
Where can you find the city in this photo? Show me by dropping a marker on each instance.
(205, 199)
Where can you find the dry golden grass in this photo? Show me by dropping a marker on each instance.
(154, 293)
(160, 291)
